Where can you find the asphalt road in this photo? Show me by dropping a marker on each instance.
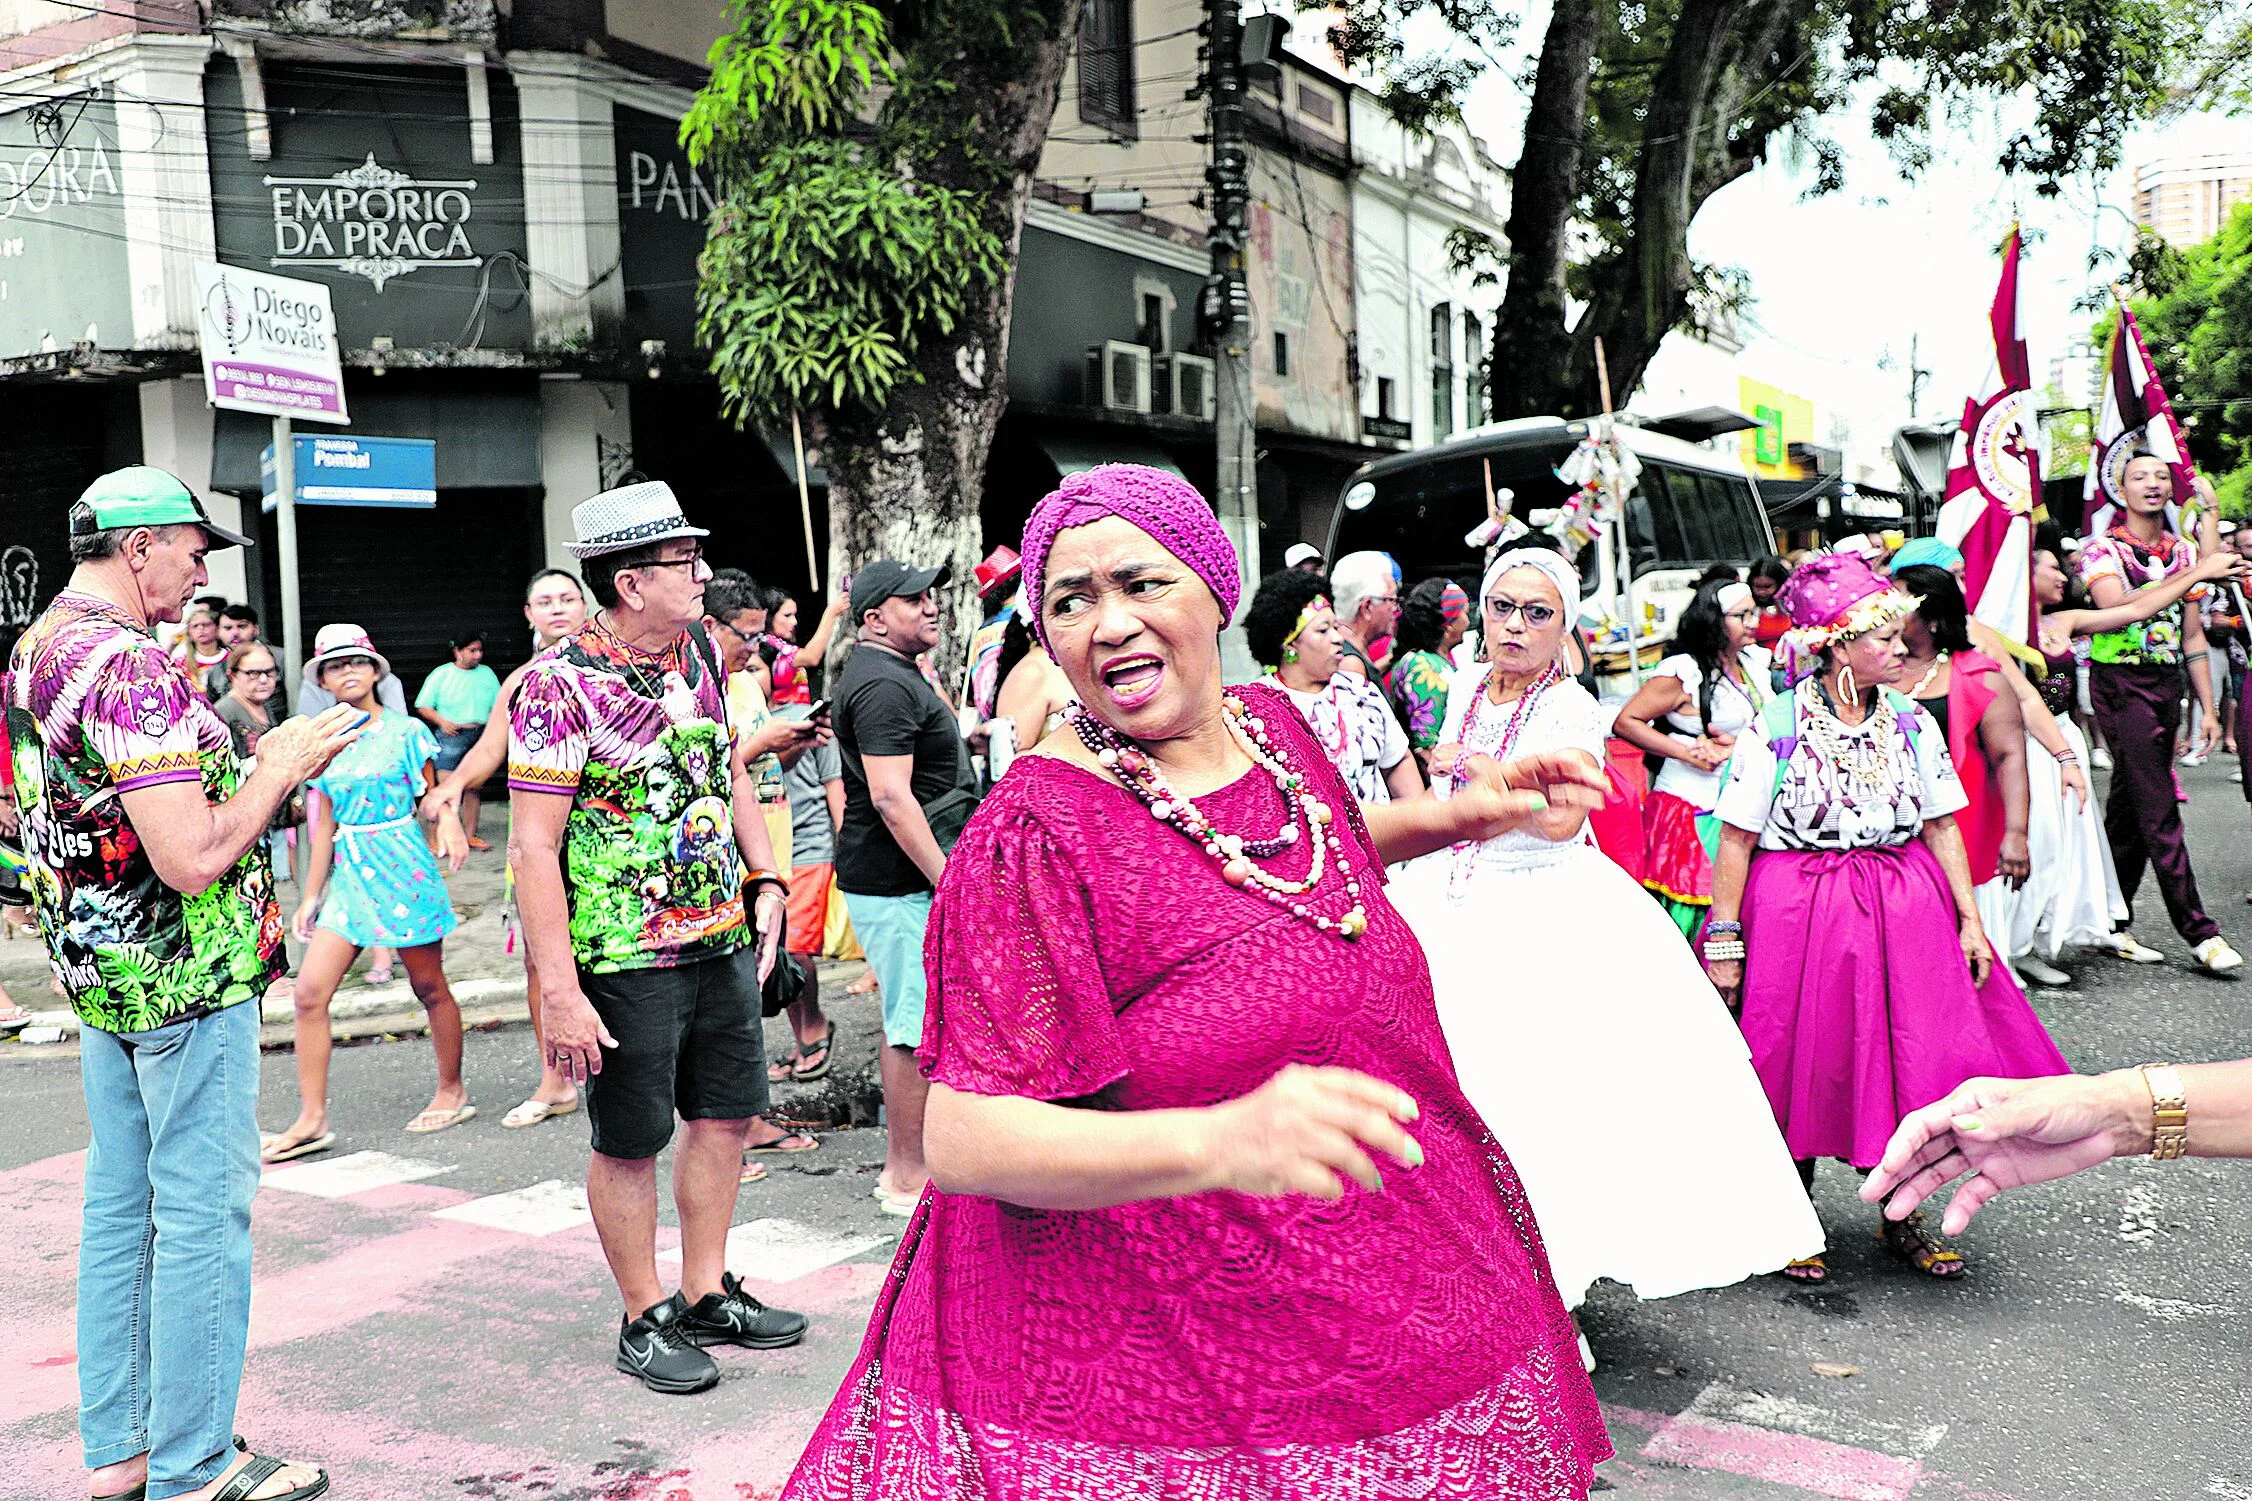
(2100, 1347)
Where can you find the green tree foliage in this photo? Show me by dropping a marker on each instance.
(830, 258)
(1641, 110)
(2199, 329)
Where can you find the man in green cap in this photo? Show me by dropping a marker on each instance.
(149, 872)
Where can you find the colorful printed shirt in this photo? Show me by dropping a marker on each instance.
(639, 742)
(95, 709)
(1417, 687)
(2156, 642)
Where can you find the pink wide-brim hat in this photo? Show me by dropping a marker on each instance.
(1165, 505)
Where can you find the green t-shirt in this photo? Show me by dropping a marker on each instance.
(464, 696)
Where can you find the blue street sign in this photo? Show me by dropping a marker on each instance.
(348, 471)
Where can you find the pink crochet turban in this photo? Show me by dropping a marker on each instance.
(1164, 505)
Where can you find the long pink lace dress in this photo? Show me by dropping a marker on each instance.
(1408, 1343)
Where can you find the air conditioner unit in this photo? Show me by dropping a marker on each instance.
(1184, 386)
(1117, 376)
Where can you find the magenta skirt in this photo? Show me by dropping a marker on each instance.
(1858, 1003)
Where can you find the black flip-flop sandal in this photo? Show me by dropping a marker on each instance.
(813, 1059)
(258, 1472)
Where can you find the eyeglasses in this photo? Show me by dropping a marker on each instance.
(1536, 615)
(259, 672)
(748, 639)
(693, 560)
(1748, 613)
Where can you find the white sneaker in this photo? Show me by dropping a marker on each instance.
(2122, 944)
(2042, 974)
(2194, 758)
(2100, 757)
(2217, 957)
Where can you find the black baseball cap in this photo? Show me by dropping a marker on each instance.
(888, 578)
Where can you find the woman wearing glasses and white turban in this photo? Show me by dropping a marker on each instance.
(1581, 1025)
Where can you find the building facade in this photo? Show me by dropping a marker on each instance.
(2184, 199)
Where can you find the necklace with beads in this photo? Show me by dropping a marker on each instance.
(1236, 855)
(1518, 718)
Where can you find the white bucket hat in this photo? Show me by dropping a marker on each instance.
(630, 516)
(343, 640)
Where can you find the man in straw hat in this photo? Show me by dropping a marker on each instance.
(636, 835)
(148, 866)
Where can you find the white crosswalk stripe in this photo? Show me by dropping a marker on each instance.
(542, 1209)
(353, 1173)
(784, 1250)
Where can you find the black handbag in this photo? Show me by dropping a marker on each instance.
(949, 813)
(784, 984)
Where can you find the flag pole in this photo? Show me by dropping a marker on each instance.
(805, 510)
(1618, 508)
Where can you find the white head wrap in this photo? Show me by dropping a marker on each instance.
(1558, 568)
(1734, 597)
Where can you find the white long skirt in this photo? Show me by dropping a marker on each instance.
(2072, 897)
(1588, 1037)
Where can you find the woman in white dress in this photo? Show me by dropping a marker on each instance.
(1582, 1027)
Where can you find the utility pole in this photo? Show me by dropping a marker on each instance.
(1225, 308)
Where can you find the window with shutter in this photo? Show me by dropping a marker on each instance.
(1106, 65)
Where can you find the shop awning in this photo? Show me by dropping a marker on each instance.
(1072, 454)
(1700, 423)
(488, 439)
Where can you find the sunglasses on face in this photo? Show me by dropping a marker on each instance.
(1536, 615)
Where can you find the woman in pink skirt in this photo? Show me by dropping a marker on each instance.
(1842, 910)
(1209, 1216)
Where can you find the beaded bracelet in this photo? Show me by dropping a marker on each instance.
(1725, 952)
(1723, 927)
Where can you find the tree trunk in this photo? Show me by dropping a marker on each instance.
(1714, 104)
(907, 482)
(1530, 340)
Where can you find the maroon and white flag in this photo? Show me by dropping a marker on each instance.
(2135, 418)
(1994, 485)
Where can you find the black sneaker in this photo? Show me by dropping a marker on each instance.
(657, 1348)
(734, 1317)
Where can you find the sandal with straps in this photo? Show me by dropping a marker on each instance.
(1809, 1270)
(261, 1469)
(1921, 1249)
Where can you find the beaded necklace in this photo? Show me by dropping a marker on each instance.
(1518, 719)
(1236, 855)
(1863, 755)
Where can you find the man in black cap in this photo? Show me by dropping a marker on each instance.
(907, 782)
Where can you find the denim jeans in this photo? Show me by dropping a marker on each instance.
(164, 1256)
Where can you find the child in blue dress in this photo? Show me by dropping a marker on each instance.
(370, 879)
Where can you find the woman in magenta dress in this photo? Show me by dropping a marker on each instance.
(1209, 1216)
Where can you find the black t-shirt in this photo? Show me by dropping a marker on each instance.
(884, 708)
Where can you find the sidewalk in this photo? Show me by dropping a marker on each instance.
(488, 983)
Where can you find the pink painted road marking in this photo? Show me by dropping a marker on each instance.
(1807, 1464)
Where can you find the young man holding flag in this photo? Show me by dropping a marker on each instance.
(2135, 684)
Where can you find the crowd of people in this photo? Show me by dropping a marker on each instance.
(1230, 1103)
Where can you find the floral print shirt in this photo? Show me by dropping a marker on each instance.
(2156, 642)
(1417, 687)
(640, 743)
(95, 709)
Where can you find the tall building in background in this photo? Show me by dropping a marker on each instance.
(2183, 199)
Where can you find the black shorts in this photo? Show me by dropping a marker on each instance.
(691, 1042)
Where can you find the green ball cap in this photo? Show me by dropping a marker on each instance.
(139, 495)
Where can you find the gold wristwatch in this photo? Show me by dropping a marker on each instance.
(2169, 1111)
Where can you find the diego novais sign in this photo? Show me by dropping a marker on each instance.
(269, 344)
(351, 471)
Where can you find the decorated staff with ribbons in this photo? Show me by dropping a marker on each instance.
(1994, 484)
(1842, 910)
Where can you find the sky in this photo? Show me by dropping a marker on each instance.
(1842, 282)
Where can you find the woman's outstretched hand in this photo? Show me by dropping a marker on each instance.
(1310, 1131)
(2006, 1133)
